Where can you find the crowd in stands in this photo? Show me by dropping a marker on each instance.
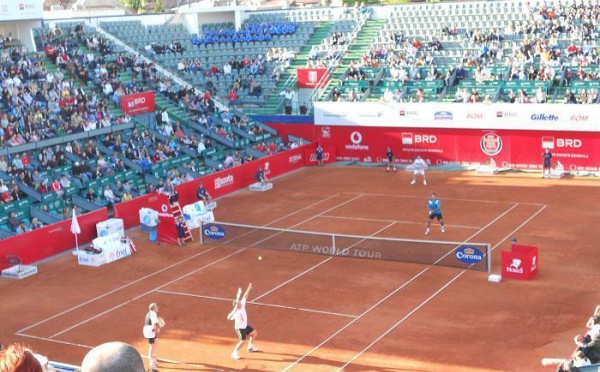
(538, 54)
(587, 351)
(249, 33)
(174, 47)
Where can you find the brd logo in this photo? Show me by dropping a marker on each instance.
(215, 232)
(469, 254)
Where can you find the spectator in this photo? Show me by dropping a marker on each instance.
(113, 356)
(22, 229)
(13, 222)
(17, 358)
(110, 197)
(35, 224)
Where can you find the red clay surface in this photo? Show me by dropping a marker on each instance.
(316, 313)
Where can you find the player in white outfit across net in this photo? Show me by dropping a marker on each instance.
(419, 166)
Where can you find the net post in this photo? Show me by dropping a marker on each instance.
(489, 257)
(333, 244)
(202, 233)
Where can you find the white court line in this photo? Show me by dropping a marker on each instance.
(306, 220)
(444, 198)
(259, 304)
(113, 291)
(385, 298)
(396, 221)
(193, 366)
(358, 355)
(320, 263)
(152, 274)
(54, 341)
(144, 294)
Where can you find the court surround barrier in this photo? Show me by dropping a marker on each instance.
(54, 239)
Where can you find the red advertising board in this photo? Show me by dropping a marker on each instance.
(139, 103)
(51, 240)
(310, 156)
(515, 149)
(236, 178)
(310, 77)
(521, 262)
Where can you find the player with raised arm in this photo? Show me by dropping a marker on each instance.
(435, 211)
(242, 328)
(389, 154)
(419, 166)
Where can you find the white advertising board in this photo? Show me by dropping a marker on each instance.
(540, 117)
(18, 10)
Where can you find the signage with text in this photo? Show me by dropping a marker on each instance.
(139, 103)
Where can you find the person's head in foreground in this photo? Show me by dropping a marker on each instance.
(17, 358)
(112, 357)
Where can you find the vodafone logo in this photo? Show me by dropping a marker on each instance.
(164, 208)
(356, 138)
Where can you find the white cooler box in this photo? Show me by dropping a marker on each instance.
(113, 225)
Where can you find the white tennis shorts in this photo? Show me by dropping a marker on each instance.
(420, 172)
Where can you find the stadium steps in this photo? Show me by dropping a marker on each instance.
(355, 52)
(273, 100)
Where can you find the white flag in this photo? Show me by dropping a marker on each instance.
(74, 224)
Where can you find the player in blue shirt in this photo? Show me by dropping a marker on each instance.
(435, 211)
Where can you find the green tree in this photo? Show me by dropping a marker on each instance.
(135, 5)
(158, 6)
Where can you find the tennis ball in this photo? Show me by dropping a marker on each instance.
(260, 258)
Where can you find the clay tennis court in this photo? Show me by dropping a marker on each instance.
(317, 313)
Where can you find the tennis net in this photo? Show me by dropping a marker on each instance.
(467, 255)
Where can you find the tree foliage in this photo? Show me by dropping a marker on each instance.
(135, 5)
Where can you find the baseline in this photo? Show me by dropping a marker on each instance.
(259, 304)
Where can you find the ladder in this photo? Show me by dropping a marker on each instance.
(176, 208)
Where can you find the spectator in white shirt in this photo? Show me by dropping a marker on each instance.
(111, 199)
(201, 147)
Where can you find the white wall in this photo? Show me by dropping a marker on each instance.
(21, 30)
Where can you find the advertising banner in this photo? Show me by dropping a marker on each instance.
(310, 156)
(236, 178)
(139, 103)
(52, 239)
(521, 262)
(11, 10)
(515, 149)
(530, 117)
(310, 77)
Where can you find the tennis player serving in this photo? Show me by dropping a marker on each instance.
(240, 318)
(152, 326)
(434, 206)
